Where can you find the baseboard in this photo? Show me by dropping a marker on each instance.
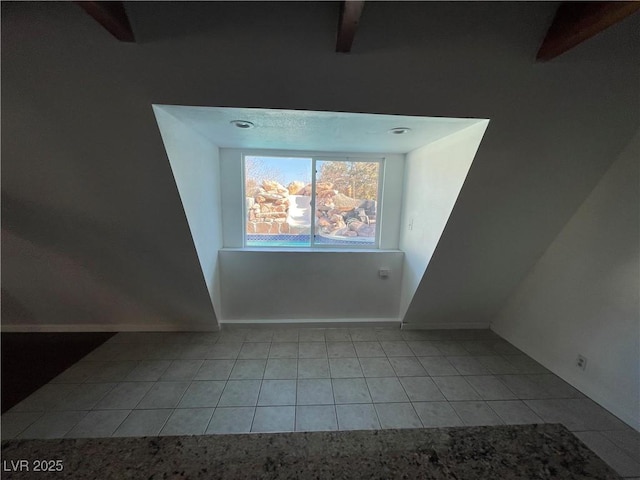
(608, 402)
(445, 326)
(313, 322)
(109, 327)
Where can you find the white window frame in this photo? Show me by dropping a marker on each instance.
(312, 236)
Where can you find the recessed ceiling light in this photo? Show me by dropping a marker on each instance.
(399, 130)
(245, 124)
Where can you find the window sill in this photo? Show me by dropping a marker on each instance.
(309, 249)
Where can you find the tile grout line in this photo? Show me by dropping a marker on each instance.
(208, 423)
(369, 389)
(222, 392)
(165, 422)
(443, 395)
(178, 402)
(405, 391)
(130, 412)
(333, 394)
(409, 398)
(474, 356)
(255, 410)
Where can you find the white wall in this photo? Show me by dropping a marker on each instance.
(195, 164)
(581, 297)
(84, 171)
(39, 279)
(280, 285)
(434, 175)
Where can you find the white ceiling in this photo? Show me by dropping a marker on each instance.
(315, 131)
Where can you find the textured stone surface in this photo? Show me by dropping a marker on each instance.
(508, 452)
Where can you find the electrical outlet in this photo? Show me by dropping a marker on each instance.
(581, 363)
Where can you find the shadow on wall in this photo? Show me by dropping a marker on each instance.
(124, 271)
(13, 311)
(160, 21)
(317, 22)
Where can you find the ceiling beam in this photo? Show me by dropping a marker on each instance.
(112, 16)
(576, 22)
(350, 12)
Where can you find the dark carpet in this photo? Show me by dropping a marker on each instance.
(29, 360)
(494, 453)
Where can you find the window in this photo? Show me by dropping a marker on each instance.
(305, 201)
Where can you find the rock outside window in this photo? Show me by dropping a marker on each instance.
(311, 202)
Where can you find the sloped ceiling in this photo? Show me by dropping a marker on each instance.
(80, 146)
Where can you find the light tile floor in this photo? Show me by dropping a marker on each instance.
(280, 380)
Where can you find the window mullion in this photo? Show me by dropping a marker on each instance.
(312, 236)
